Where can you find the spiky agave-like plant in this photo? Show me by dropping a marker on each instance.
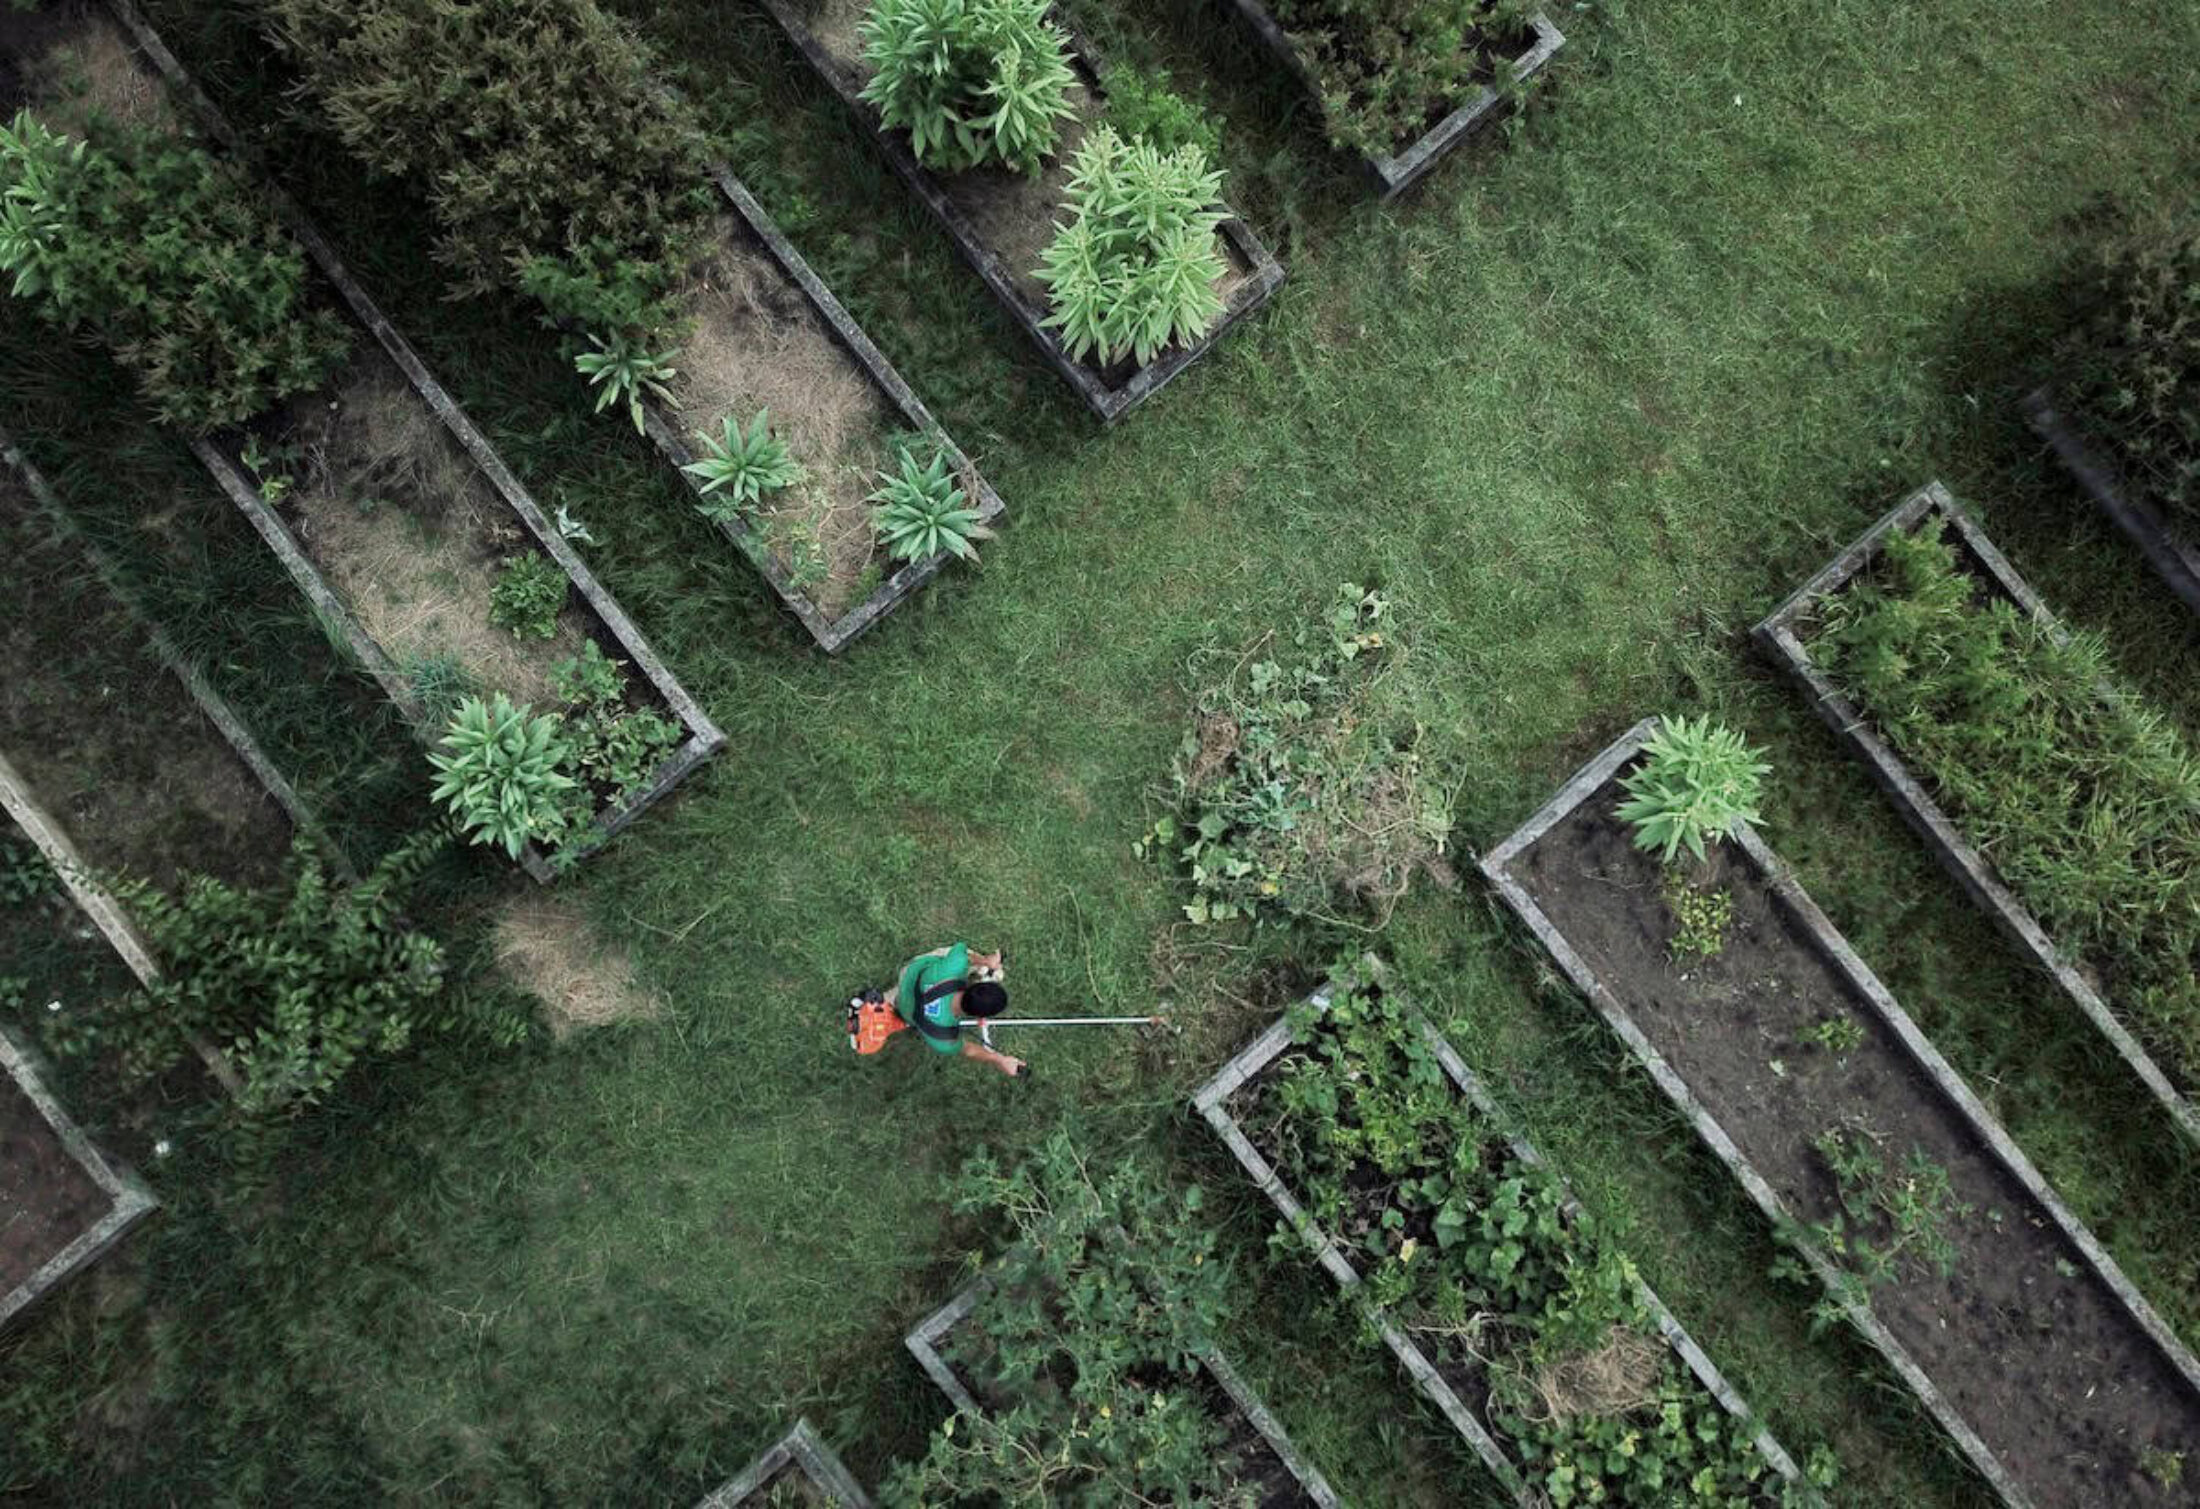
(921, 512)
(500, 773)
(743, 465)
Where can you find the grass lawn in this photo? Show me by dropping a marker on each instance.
(1585, 406)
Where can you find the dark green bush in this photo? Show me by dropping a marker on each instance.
(531, 125)
(2087, 802)
(297, 983)
(2136, 368)
(1387, 68)
(168, 258)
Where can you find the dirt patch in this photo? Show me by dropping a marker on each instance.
(406, 529)
(2031, 1349)
(549, 946)
(1012, 216)
(758, 342)
(109, 739)
(47, 1200)
(95, 70)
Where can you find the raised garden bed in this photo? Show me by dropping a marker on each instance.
(769, 334)
(2176, 560)
(1002, 221)
(116, 757)
(390, 510)
(799, 1469)
(1411, 161)
(2048, 1369)
(1254, 1436)
(1455, 1379)
(61, 1203)
(1785, 634)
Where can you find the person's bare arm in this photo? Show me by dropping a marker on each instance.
(972, 1048)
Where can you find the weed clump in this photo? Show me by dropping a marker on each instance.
(1301, 789)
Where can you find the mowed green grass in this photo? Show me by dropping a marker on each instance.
(1586, 406)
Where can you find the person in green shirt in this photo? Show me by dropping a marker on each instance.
(950, 985)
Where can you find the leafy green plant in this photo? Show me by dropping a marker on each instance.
(1143, 105)
(922, 511)
(1301, 787)
(528, 596)
(1701, 917)
(169, 259)
(1839, 1035)
(2086, 800)
(2134, 365)
(971, 81)
(2165, 1467)
(744, 465)
(1085, 1345)
(533, 127)
(1477, 1251)
(1885, 1212)
(1385, 69)
(1136, 266)
(1696, 782)
(610, 746)
(25, 874)
(501, 776)
(622, 371)
(297, 983)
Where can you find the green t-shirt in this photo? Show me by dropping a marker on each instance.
(920, 975)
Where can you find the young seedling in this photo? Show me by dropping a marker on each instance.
(1886, 1211)
(1838, 1035)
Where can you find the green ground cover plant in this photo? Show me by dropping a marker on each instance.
(167, 257)
(1584, 410)
(1301, 789)
(2086, 799)
(1089, 1340)
(1135, 267)
(2134, 365)
(1472, 1250)
(972, 81)
(1387, 70)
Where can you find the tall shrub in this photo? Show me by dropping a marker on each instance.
(531, 125)
(166, 255)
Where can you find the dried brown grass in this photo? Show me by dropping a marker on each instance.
(548, 945)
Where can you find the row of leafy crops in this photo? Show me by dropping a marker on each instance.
(2087, 801)
(1387, 69)
(1474, 1251)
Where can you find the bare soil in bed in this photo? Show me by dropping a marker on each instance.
(407, 530)
(789, 1488)
(759, 343)
(107, 737)
(47, 1200)
(2030, 1348)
